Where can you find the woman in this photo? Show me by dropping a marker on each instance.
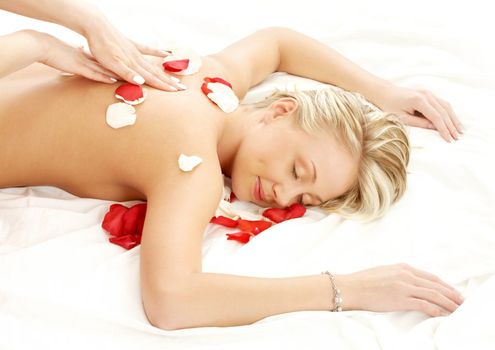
(53, 132)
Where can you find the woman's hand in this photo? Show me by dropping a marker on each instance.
(420, 108)
(125, 58)
(57, 54)
(397, 288)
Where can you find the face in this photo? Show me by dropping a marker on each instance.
(278, 164)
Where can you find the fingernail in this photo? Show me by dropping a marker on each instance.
(113, 79)
(177, 80)
(138, 79)
(173, 88)
(182, 86)
(166, 52)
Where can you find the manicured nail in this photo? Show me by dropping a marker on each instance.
(113, 79)
(177, 80)
(138, 79)
(173, 88)
(182, 86)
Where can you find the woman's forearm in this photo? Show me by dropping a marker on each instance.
(73, 14)
(212, 299)
(19, 50)
(304, 56)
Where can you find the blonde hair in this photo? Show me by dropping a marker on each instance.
(378, 139)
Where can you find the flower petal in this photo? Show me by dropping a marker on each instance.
(188, 163)
(113, 220)
(253, 226)
(130, 93)
(223, 96)
(176, 65)
(182, 53)
(224, 221)
(120, 114)
(241, 237)
(126, 242)
(296, 210)
(275, 214)
(133, 219)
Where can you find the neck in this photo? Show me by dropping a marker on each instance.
(237, 125)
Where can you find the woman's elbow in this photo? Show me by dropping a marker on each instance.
(164, 311)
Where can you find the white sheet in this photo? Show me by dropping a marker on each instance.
(63, 284)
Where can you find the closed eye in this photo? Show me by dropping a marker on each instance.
(294, 172)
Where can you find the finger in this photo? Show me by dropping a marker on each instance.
(428, 276)
(112, 77)
(445, 115)
(94, 74)
(158, 79)
(425, 108)
(148, 50)
(126, 73)
(452, 114)
(415, 304)
(449, 293)
(418, 122)
(434, 297)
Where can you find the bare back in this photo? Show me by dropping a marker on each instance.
(53, 132)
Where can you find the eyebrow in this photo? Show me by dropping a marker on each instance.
(314, 180)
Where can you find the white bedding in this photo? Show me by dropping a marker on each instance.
(63, 284)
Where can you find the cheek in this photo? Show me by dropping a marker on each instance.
(247, 165)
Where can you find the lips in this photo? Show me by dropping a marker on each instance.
(258, 190)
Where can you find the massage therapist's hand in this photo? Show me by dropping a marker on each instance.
(59, 55)
(397, 287)
(125, 57)
(420, 108)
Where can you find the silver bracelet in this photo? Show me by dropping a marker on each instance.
(336, 293)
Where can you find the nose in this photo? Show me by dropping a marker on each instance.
(285, 195)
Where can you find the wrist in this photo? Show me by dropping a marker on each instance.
(35, 42)
(375, 92)
(347, 292)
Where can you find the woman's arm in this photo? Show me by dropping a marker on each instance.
(20, 49)
(253, 58)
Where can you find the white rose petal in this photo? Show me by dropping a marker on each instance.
(120, 114)
(188, 163)
(223, 96)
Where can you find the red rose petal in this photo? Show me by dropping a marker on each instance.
(126, 242)
(218, 80)
(278, 215)
(241, 237)
(133, 219)
(296, 210)
(112, 222)
(254, 226)
(224, 221)
(204, 88)
(129, 92)
(275, 214)
(177, 65)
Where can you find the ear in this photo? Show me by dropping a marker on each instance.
(283, 107)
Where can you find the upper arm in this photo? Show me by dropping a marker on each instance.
(178, 212)
(250, 60)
